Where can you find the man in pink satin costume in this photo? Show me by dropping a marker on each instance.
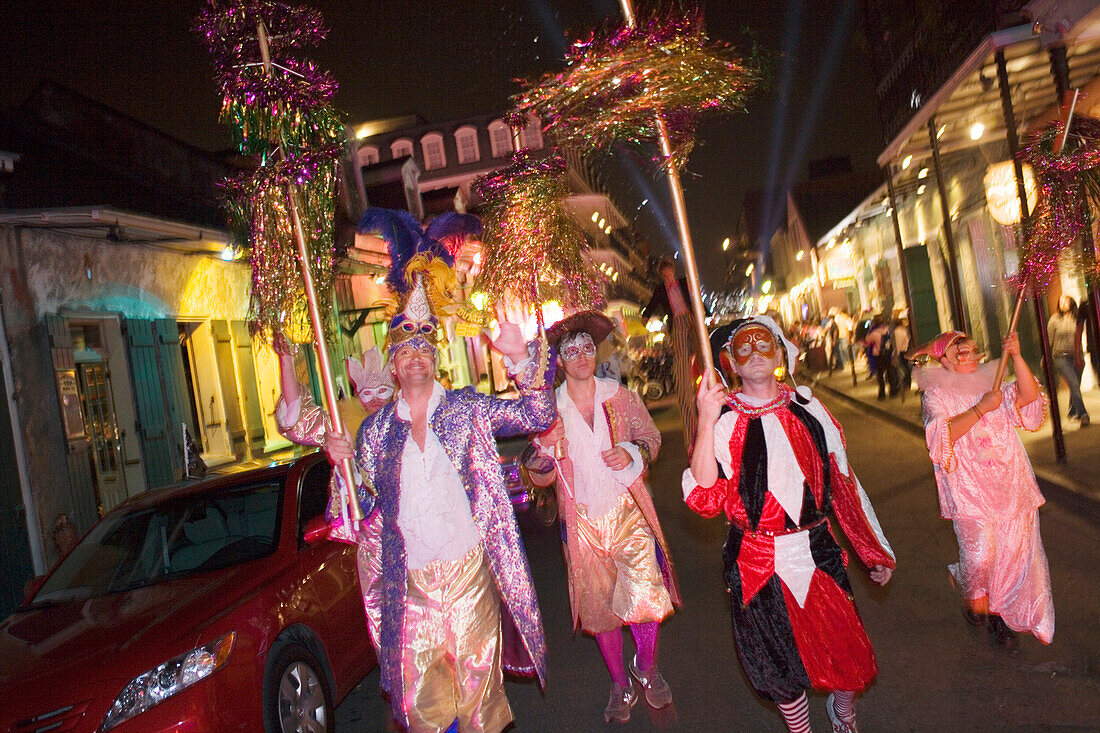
(986, 485)
(302, 421)
(619, 569)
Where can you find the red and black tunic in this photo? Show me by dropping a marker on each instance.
(786, 645)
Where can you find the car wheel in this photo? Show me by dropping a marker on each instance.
(297, 698)
(546, 507)
(653, 391)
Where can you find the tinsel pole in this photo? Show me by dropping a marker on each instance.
(532, 247)
(277, 108)
(355, 512)
(539, 317)
(676, 190)
(1029, 270)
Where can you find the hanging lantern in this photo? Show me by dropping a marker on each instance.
(1002, 195)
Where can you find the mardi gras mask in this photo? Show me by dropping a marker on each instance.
(752, 339)
(574, 347)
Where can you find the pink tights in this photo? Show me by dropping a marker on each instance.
(611, 647)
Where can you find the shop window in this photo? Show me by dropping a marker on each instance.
(466, 142)
(434, 159)
(368, 155)
(500, 138)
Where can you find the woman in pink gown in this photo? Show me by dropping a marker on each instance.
(986, 485)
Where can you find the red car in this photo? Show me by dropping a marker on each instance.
(214, 606)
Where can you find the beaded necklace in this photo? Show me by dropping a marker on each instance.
(782, 400)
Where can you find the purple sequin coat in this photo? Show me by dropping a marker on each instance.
(466, 423)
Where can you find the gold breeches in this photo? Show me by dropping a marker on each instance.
(615, 570)
(450, 662)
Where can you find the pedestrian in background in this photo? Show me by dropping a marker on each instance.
(901, 364)
(1069, 361)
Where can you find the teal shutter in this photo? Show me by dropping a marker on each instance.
(15, 554)
(149, 399)
(924, 318)
(170, 357)
(83, 502)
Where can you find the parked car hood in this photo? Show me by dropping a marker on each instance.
(116, 636)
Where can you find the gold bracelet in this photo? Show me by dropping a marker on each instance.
(979, 412)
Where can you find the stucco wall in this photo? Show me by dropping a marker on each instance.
(138, 281)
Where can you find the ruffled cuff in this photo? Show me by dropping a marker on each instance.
(941, 444)
(688, 483)
(287, 412)
(707, 501)
(1032, 416)
(534, 372)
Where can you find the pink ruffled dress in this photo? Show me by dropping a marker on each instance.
(988, 489)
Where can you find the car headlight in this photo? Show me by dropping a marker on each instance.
(174, 676)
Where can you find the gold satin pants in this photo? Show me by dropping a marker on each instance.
(619, 581)
(451, 661)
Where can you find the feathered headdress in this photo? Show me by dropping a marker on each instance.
(421, 275)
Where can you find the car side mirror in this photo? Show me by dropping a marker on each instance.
(316, 530)
(32, 587)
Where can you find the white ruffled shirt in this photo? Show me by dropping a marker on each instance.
(596, 485)
(434, 513)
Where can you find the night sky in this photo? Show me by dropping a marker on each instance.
(446, 59)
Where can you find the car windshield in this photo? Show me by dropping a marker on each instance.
(178, 537)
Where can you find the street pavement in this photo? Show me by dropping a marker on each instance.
(935, 672)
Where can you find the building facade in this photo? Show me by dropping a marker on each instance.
(124, 325)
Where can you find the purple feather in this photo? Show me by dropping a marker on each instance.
(402, 234)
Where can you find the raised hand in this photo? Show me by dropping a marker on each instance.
(509, 340)
(990, 401)
(710, 399)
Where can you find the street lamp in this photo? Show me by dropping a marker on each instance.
(725, 244)
(1002, 194)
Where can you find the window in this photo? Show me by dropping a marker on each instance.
(433, 151)
(368, 155)
(466, 142)
(531, 136)
(500, 138)
(402, 148)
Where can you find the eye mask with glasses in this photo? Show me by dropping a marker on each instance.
(574, 347)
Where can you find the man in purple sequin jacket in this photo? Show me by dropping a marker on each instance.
(457, 600)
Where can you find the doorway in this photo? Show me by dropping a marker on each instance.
(97, 406)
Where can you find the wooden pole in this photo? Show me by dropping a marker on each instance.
(677, 192)
(355, 513)
(958, 310)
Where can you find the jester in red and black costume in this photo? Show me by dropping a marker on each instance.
(773, 460)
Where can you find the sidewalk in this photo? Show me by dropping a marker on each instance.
(1075, 482)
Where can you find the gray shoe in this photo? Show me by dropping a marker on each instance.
(618, 707)
(657, 692)
(839, 726)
